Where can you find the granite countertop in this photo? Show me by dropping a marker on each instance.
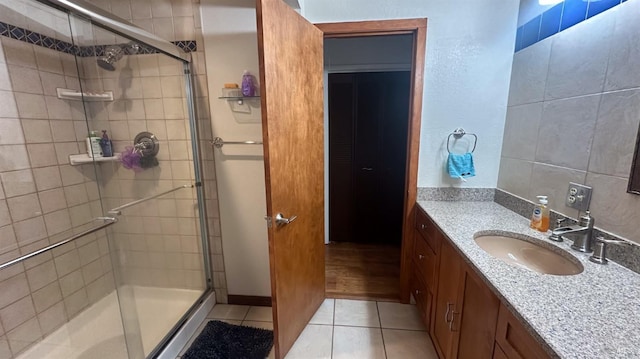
(594, 314)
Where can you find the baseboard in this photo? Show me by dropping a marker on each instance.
(174, 347)
(254, 300)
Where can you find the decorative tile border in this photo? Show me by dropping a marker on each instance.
(559, 18)
(34, 38)
(626, 256)
(455, 194)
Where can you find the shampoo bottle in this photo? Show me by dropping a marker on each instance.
(540, 216)
(93, 145)
(106, 145)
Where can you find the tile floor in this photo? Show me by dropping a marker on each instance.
(344, 328)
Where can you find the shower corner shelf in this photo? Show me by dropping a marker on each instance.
(83, 158)
(75, 95)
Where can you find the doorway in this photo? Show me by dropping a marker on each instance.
(368, 107)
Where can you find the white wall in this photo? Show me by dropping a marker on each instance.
(230, 40)
(470, 47)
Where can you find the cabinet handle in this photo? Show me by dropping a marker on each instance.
(453, 318)
(420, 256)
(423, 226)
(417, 292)
(446, 314)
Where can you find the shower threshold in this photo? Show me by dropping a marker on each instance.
(97, 331)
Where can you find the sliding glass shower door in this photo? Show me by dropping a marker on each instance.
(102, 255)
(150, 183)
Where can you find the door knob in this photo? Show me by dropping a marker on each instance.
(282, 220)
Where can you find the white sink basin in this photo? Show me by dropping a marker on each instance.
(529, 253)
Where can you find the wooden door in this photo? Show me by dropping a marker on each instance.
(447, 309)
(291, 53)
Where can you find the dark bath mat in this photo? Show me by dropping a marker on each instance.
(220, 340)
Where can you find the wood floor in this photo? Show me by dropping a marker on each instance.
(362, 271)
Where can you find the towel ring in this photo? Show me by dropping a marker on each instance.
(459, 133)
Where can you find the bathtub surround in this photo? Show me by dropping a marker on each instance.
(44, 200)
(77, 337)
(179, 21)
(573, 116)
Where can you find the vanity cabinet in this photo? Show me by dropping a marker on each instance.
(466, 320)
(425, 256)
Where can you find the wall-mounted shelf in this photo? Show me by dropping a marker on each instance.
(83, 158)
(240, 99)
(230, 98)
(75, 95)
(235, 94)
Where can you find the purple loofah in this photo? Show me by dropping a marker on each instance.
(130, 159)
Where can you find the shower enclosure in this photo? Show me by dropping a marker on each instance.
(100, 257)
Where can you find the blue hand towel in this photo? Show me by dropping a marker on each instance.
(460, 166)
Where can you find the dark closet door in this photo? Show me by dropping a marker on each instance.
(368, 119)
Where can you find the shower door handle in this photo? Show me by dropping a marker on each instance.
(282, 220)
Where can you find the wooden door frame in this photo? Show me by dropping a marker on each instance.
(418, 28)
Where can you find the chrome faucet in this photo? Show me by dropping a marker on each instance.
(582, 233)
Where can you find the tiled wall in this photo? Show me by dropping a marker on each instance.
(42, 195)
(157, 242)
(573, 115)
(179, 20)
(559, 18)
(42, 198)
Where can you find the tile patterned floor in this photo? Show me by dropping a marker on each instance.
(345, 329)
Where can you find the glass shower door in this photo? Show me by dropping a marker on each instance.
(57, 290)
(150, 184)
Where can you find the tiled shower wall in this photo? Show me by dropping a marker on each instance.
(42, 195)
(179, 20)
(573, 116)
(157, 242)
(42, 198)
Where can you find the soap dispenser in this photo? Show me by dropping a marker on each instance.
(540, 216)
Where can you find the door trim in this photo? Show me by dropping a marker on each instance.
(418, 28)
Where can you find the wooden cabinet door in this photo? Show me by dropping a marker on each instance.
(514, 340)
(290, 53)
(477, 323)
(447, 307)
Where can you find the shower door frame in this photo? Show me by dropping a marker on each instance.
(110, 22)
